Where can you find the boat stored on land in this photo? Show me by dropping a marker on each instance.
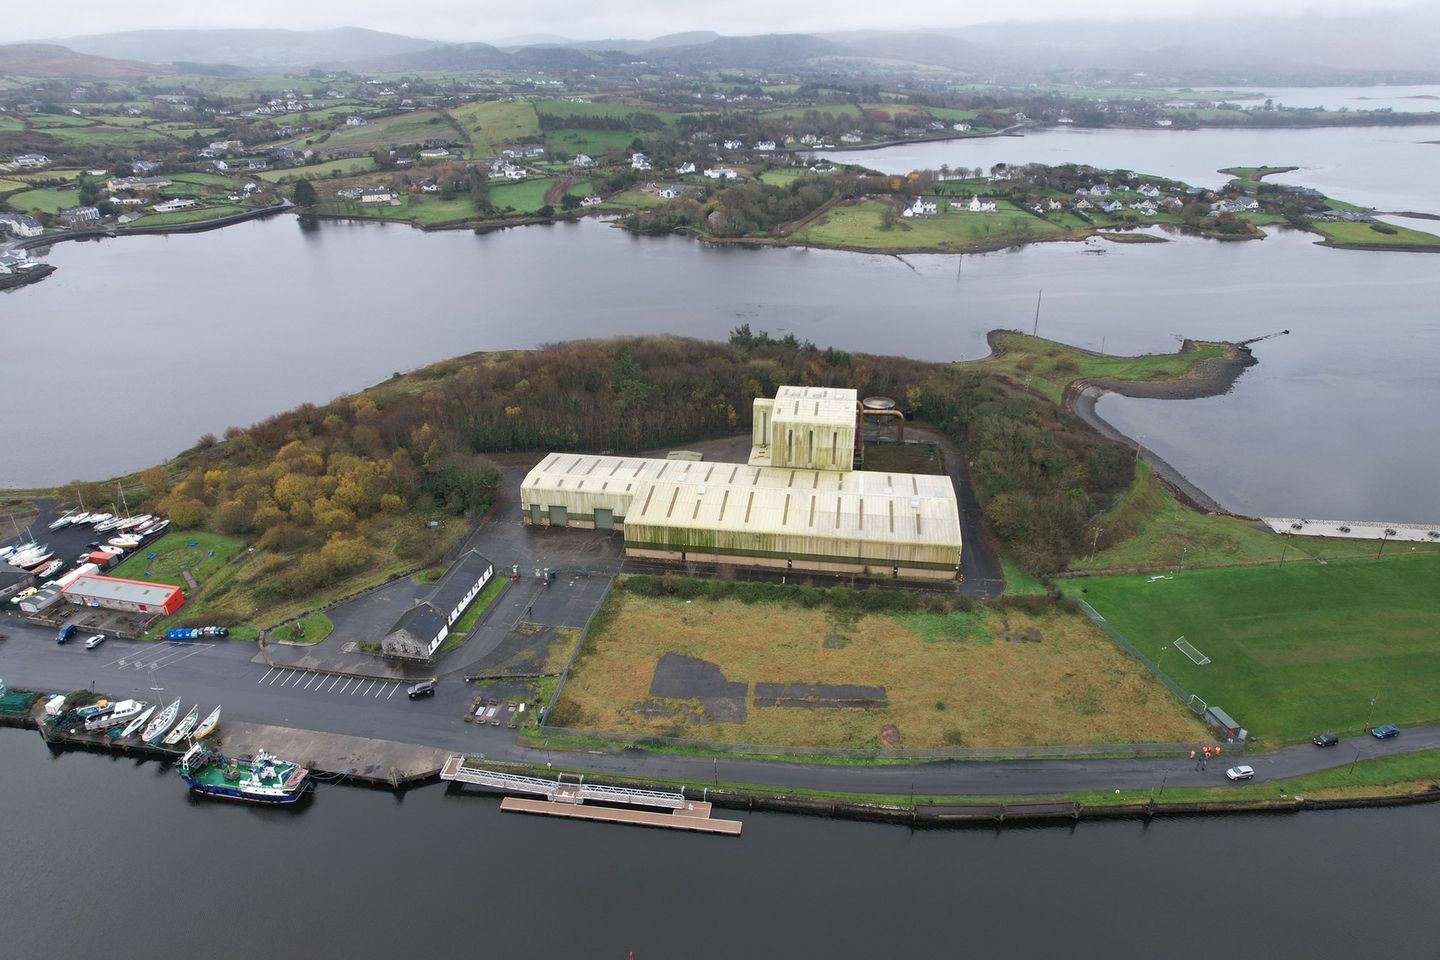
(263, 779)
(160, 724)
(207, 726)
(183, 728)
(138, 722)
(64, 521)
(121, 714)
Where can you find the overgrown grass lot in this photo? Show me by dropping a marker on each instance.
(983, 677)
(1296, 649)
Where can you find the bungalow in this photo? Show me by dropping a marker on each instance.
(20, 225)
(1112, 206)
(126, 201)
(348, 193)
(434, 153)
(583, 160)
(224, 146)
(1064, 120)
(921, 208)
(1149, 190)
(856, 138)
(980, 204)
(962, 126)
(1100, 190)
(355, 121)
(685, 168)
(76, 216)
(380, 195)
(1145, 208)
(638, 161)
(720, 173)
(1083, 204)
(179, 203)
(257, 165)
(1083, 192)
(31, 160)
(809, 139)
(511, 172)
(1241, 205)
(592, 201)
(765, 146)
(143, 166)
(1164, 122)
(428, 185)
(1172, 203)
(667, 193)
(220, 165)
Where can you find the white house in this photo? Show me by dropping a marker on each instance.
(592, 201)
(31, 160)
(980, 204)
(1100, 190)
(856, 138)
(1064, 120)
(421, 629)
(80, 215)
(20, 225)
(720, 173)
(179, 203)
(734, 144)
(638, 161)
(684, 168)
(1164, 122)
(1149, 190)
(765, 146)
(667, 193)
(434, 153)
(962, 126)
(1145, 208)
(583, 160)
(1113, 206)
(921, 208)
(355, 121)
(511, 172)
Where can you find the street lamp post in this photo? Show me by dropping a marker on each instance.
(1370, 716)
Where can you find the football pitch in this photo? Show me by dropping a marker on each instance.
(1294, 650)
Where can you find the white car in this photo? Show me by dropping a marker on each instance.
(1240, 773)
(98, 639)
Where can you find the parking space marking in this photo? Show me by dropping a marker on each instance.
(381, 690)
(313, 678)
(276, 677)
(348, 681)
(267, 676)
(333, 683)
(392, 692)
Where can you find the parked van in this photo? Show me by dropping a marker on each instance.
(65, 633)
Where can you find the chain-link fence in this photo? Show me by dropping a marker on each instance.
(574, 655)
(1195, 704)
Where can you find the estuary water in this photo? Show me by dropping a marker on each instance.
(109, 857)
(137, 346)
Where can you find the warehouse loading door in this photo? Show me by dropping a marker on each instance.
(604, 519)
(558, 517)
(537, 514)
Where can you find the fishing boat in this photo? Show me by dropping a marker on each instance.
(207, 726)
(183, 728)
(261, 779)
(160, 724)
(118, 715)
(134, 726)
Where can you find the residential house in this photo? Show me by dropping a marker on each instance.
(225, 146)
(1172, 203)
(583, 160)
(592, 201)
(684, 168)
(79, 216)
(136, 183)
(434, 153)
(384, 195)
(720, 173)
(179, 203)
(809, 139)
(31, 160)
(962, 126)
(1240, 205)
(142, 167)
(428, 185)
(979, 204)
(127, 201)
(1164, 122)
(765, 146)
(1064, 120)
(355, 121)
(1112, 206)
(856, 138)
(1100, 190)
(511, 172)
(667, 193)
(1145, 208)
(921, 208)
(638, 161)
(734, 144)
(348, 193)
(20, 225)
(1083, 192)
(1083, 204)
(1149, 190)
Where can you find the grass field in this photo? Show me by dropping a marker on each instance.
(1049, 367)
(1295, 649)
(345, 168)
(956, 680)
(309, 629)
(521, 198)
(382, 132)
(592, 142)
(862, 226)
(424, 210)
(174, 555)
(489, 125)
(1365, 235)
(46, 200)
(185, 216)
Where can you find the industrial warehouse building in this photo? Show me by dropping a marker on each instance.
(797, 504)
(132, 596)
(421, 629)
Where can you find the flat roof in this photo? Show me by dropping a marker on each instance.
(116, 588)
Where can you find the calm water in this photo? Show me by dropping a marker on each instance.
(1388, 168)
(107, 857)
(1416, 98)
(136, 347)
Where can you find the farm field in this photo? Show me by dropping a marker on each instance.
(489, 125)
(862, 226)
(344, 168)
(46, 200)
(403, 129)
(986, 678)
(184, 216)
(424, 210)
(1297, 649)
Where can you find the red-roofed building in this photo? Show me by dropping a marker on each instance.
(115, 593)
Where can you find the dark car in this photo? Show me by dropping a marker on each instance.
(65, 633)
(1385, 732)
(426, 689)
(1326, 740)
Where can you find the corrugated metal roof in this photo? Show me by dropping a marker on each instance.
(834, 406)
(113, 588)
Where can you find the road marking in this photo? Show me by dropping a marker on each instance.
(392, 692)
(267, 675)
(274, 678)
(311, 680)
(348, 681)
(333, 683)
(294, 676)
(357, 687)
(381, 690)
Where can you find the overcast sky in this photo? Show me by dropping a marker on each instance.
(469, 20)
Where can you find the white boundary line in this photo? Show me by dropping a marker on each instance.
(267, 675)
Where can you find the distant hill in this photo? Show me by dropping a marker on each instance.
(249, 48)
(51, 60)
(482, 56)
(774, 51)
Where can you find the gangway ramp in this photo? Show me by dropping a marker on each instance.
(457, 770)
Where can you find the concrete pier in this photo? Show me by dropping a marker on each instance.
(695, 816)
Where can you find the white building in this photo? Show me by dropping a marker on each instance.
(979, 204)
(720, 173)
(421, 629)
(638, 161)
(31, 160)
(355, 121)
(20, 225)
(921, 208)
(685, 168)
(583, 160)
(765, 146)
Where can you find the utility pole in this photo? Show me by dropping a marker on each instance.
(1036, 329)
(1370, 716)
